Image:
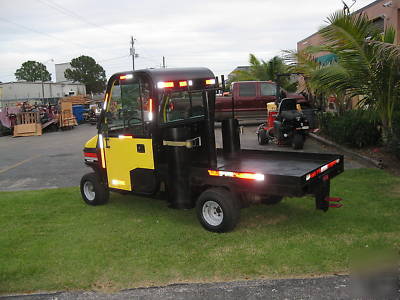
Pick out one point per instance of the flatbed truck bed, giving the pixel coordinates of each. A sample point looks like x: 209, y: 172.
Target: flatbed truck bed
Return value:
x: 283, y: 173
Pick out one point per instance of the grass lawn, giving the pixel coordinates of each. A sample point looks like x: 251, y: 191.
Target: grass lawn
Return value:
x: 51, y: 240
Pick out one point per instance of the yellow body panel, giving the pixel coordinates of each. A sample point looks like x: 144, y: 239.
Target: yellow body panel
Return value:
x: 92, y: 143
x: 122, y: 157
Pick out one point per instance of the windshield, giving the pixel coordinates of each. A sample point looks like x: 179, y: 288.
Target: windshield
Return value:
x: 182, y: 105
x: 125, y: 110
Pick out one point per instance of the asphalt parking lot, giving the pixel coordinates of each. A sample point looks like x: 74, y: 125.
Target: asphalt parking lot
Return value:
x: 55, y: 159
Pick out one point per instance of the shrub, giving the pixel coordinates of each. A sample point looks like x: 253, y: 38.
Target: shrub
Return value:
x: 394, y: 142
x: 355, y: 128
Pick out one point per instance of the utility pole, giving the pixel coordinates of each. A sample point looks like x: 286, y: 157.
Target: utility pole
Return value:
x: 163, y: 62
x: 133, y: 52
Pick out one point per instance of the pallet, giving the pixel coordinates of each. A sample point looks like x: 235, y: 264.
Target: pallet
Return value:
x: 27, y: 124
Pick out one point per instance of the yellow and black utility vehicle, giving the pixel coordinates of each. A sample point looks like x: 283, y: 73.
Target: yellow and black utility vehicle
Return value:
x: 156, y: 132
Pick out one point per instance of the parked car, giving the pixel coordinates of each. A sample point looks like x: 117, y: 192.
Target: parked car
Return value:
x: 249, y: 99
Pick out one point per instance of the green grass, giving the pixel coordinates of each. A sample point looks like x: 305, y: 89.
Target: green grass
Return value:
x: 51, y: 240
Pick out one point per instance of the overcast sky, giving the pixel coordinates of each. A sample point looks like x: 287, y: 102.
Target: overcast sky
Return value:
x: 218, y: 34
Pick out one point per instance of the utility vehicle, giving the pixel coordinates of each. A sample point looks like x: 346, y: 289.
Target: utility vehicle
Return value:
x: 156, y: 132
x: 285, y: 126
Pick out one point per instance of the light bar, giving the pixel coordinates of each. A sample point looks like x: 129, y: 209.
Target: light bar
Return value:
x: 190, y: 82
x: 124, y: 137
x: 150, y: 109
x: 183, y: 83
x: 117, y: 182
x: 125, y: 77
x: 210, y: 81
x: 240, y: 175
x: 322, y: 169
x: 165, y: 84
x: 101, y: 145
x: 105, y: 101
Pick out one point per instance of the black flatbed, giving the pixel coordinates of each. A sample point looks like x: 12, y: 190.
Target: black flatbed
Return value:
x: 286, y: 173
x: 281, y: 163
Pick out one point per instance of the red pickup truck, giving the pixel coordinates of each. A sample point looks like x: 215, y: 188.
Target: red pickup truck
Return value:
x: 249, y: 99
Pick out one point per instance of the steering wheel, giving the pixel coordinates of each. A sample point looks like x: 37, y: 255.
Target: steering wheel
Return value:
x: 133, y: 118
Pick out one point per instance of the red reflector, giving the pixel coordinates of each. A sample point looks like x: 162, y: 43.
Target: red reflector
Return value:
x: 90, y: 155
x: 183, y: 83
x: 322, y: 169
x: 241, y: 175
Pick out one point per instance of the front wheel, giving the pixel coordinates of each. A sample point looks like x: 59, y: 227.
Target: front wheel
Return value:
x: 218, y: 210
x: 93, y: 191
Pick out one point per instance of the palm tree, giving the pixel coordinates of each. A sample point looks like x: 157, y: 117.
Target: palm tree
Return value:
x: 367, y: 64
x: 303, y: 62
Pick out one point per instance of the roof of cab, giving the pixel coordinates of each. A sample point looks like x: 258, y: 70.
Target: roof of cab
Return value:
x: 174, y: 73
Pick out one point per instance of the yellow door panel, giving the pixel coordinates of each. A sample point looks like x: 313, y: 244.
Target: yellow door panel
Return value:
x: 122, y: 156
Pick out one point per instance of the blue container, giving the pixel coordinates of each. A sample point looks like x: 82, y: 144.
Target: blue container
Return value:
x: 78, y: 110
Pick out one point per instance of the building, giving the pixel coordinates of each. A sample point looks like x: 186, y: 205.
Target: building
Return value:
x: 19, y: 91
x: 60, y: 70
x: 382, y: 12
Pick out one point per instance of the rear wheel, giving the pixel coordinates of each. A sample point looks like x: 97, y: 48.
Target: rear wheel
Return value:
x: 218, y: 210
x: 262, y: 137
x: 297, y: 141
x: 93, y: 191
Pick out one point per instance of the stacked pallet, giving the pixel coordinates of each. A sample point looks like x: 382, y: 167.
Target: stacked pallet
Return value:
x: 76, y: 100
x: 66, y: 117
x: 28, y: 124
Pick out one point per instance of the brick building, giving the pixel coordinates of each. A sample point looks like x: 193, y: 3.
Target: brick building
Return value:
x: 382, y: 12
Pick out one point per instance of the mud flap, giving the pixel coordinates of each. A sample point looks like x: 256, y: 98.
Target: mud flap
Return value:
x: 321, y: 195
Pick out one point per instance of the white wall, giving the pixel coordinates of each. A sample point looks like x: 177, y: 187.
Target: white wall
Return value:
x: 60, y: 69
x: 29, y: 90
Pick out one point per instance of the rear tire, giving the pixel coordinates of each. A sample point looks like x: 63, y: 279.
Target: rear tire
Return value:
x: 262, y: 137
x: 218, y: 210
x: 297, y: 141
x: 93, y: 191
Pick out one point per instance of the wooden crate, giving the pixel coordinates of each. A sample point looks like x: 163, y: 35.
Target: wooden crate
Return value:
x: 67, y: 117
x: 28, y: 124
x: 28, y: 118
x: 28, y: 129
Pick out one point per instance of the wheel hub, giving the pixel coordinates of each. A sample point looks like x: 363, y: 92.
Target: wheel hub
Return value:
x: 212, y: 213
x: 88, y: 189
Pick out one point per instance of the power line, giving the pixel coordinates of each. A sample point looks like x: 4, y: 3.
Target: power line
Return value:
x: 42, y: 33
x: 114, y: 58
x: 71, y: 13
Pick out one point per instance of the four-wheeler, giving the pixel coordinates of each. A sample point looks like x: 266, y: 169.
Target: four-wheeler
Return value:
x: 156, y: 137
x: 287, y: 126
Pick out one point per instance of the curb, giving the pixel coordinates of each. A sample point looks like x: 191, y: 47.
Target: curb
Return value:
x: 365, y: 159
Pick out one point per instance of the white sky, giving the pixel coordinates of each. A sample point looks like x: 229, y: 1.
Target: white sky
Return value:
x: 218, y: 34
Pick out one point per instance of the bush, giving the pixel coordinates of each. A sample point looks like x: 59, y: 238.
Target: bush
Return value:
x: 394, y: 143
x: 355, y: 128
